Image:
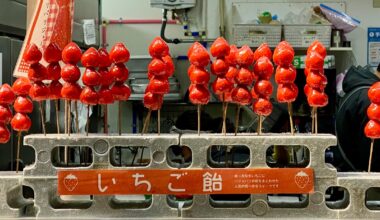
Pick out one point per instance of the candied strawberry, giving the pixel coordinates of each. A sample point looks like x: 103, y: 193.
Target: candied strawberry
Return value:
x: 198, y: 55
x: 231, y: 74
x: 314, y: 61
x: 373, y: 112
x: 231, y: 57
x: 222, y: 85
x: 286, y: 74
x: 5, y: 135
x: 199, y: 76
x: 52, y: 53
x: 227, y: 96
x: 169, y: 66
x: 55, y: 89
x: 307, y: 89
x: 21, y: 122
x: 120, y: 72
x: 90, y: 58
x: 374, y: 93
x: 91, y: 77
x: 287, y: 92
x: 372, y: 129
x: 318, y: 47
x: 158, y: 48
x: 105, y: 95
x: 244, y: 77
x: 5, y: 114
x: 283, y: 57
x: 39, y: 91
x: 70, y: 73
x: 219, y: 67
x: 263, y: 88
x: 254, y: 94
x: 89, y: 96
x: 53, y: 71
x: 32, y: 54
x: 244, y: 56
x: 37, y: 72
x: 262, y: 51
x: 157, y: 67
x: 316, y: 80
x: 262, y: 107
x: 104, y: 59
x: 220, y: 48
x: 199, y: 94
x: 71, y: 53
x: 284, y: 45
x: 71, y: 91
x: 158, y: 86
x: 21, y: 86
x: 23, y: 105
x: 106, y: 78
x: 317, y: 98
x: 120, y: 91
x: 7, y: 96
x: 263, y: 68
x: 152, y: 101
x: 119, y: 53
x: 241, y: 95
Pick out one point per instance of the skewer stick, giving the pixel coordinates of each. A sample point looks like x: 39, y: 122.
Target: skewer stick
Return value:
x: 57, y: 115
x: 224, y: 121
x: 76, y: 117
x: 119, y: 118
x: 259, y: 126
x: 105, y: 119
x: 18, y: 151
x: 312, y: 120
x: 199, y: 119
x: 88, y: 120
x: 224, y: 118
x: 159, y: 121
x: 146, y: 122
x: 370, y: 155
x: 42, y: 118
x: 66, y: 118
x: 69, y: 120
x: 237, y: 117
x: 316, y: 120
x: 290, y: 110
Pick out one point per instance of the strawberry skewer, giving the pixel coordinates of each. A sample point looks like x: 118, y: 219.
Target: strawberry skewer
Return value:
x: 199, y: 78
x: 22, y: 105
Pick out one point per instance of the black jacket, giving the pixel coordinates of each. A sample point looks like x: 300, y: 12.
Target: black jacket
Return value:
x: 352, y: 117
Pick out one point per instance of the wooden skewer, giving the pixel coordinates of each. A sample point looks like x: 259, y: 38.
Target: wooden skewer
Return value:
x: 146, y: 123
x: 237, y: 117
x: 88, y: 120
x: 18, y: 151
x: 76, y: 117
x: 199, y: 119
x: 69, y: 118
x: 312, y: 120
x: 290, y: 110
x: 42, y: 118
x: 159, y: 121
x: 65, y: 116
x: 259, y: 126
x: 225, y: 118
x: 105, y: 119
x: 66, y: 131
x: 57, y: 115
x: 316, y: 120
x: 370, y: 155
x: 119, y: 118
x: 224, y: 121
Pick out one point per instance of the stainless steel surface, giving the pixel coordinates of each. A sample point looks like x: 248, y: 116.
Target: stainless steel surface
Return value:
x: 41, y: 177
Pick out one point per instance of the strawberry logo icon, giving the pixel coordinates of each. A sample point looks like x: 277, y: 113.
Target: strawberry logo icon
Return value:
x: 70, y: 182
x: 301, y: 179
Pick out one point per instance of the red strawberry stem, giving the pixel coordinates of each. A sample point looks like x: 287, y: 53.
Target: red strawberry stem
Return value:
x: 57, y: 115
x: 199, y: 119
x: 370, y: 155
x: 146, y: 122
x: 18, y: 151
x: 42, y: 118
x: 88, y: 120
x: 76, y: 116
x: 237, y: 116
x: 159, y: 121
x: 105, y: 119
x: 290, y: 110
x: 119, y: 118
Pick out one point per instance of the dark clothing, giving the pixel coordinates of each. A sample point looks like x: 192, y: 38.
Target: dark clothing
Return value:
x: 352, y: 117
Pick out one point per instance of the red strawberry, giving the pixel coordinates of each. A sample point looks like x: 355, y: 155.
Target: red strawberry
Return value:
x: 120, y: 91
x: 106, y: 78
x: 374, y: 93
x: 231, y: 57
x: 53, y: 71
x: 241, y: 95
x: 5, y: 114
x: 284, y: 45
x: 21, y: 86
x: 120, y: 72
x: 158, y: 48
x: 39, y: 91
x: 231, y: 74
x: 21, y: 122
x: 55, y: 88
x: 158, y: 86
x: 37, y: 72
x: 262, y: 107
x: 90, y: 58
x: 287, y: 92
x: 199, y: 76
x: 23, y: 105
x: 244, y: 56
x: 307, y: 89
x: 119, y: 53
x: 198, y: 55
x: 71, y: 91
x: 254, y: 94
x: 71, y: 53
x: 372, y: 129
x: 157, y: 67
x: 169, y: 66
x: 318, y: 47
x: 105, y: 96
x: 91, y: 77
x: 220, y: 48
x: 314, y: 61
x: 245, y: 77
x: 7, y: 96
x: 104, y: 59
x: 317, y: 98
x: 283, y: 57
x: 285, y: 74
x: 316, y: 80
x: 199, y: 94
x: 152, y: 101
x: 263, y: 88
x: 5, y: 135
x: 89, y: 96
x: 219, y: 67
x: 222, y: 85
x: 32, y: 54
x: 262, y: 51
x: 70, y: 73
x: 373, y: 112
x: 263, y: 68
x: 52, y: 53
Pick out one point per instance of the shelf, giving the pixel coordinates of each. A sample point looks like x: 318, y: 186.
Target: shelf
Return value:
x: 340, y: 49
